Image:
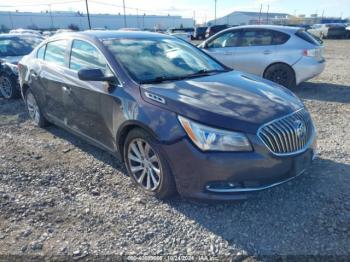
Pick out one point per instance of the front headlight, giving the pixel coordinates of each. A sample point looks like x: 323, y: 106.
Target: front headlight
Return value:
x: 212, y: 139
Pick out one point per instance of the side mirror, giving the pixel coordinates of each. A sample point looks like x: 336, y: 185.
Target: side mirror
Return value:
x: 203, y: 45
x: 94, y: 74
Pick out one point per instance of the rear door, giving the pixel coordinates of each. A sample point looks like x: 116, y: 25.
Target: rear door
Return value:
x: 223, y: 47
x: 255, y: 51
x: 51, y: 76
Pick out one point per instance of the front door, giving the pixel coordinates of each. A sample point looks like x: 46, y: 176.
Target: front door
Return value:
x: 92, y: 110
x: 223, y: 47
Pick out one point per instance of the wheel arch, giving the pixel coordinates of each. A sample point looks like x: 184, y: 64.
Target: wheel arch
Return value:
x: 24, y: 89
x: 277, y: 63
x: 125, y: 129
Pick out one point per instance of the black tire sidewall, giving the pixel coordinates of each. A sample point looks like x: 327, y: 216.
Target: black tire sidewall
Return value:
x: 42, y: 121
x: 167, y: 183
x: 291, y: 83
x: 14, y: 90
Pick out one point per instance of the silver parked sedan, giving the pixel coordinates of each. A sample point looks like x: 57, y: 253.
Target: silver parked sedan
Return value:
x: 285, y: 55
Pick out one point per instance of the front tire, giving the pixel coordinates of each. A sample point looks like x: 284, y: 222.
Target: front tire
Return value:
x: 281, y: 74
x: 147, y: 166
x: 34, y: 110
x: 8, y: 87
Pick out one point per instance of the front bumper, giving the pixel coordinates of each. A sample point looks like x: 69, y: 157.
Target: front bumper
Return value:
x: 231, y: 175
x: 307, y: 68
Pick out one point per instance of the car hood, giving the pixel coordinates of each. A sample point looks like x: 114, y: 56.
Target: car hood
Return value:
x: 233, y: 100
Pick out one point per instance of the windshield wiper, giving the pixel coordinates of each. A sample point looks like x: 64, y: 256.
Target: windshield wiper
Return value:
x: 205, y: 72
x: 161, y: 79
x: 202, y: 72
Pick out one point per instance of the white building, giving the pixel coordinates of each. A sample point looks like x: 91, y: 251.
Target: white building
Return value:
x: 248, y: 18
x: 47, y: 20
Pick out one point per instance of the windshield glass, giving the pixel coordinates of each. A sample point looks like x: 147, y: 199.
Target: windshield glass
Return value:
x: 17, y: 46
x: 147, y: 60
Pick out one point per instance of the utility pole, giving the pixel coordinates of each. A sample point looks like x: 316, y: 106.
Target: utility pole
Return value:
x: 87, y: 12
x: 51, y: 16
x: 260, y: 13
x: 267, y: 14
x: 11, y: 21
x: 137, y: 17
x: 124, y: 13
x: 215, y: 12
x: 194, y: 18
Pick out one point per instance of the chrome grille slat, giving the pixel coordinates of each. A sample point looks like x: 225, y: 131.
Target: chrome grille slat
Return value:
x: 288, y: 140
x: 290, y: 131
x: 289, y: 134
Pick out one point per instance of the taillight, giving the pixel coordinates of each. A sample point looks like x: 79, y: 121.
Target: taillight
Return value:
x: 310, y: 52
x: 318, y: 53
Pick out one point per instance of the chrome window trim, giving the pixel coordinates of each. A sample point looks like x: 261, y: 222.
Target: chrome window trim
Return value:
x: 120, y: 83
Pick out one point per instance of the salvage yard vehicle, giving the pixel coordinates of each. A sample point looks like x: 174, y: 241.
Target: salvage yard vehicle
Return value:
x: 12, y: 48
x: 285, y: 55
x: 330, y: 30
x: 180, y: 120
x: 199, y: 33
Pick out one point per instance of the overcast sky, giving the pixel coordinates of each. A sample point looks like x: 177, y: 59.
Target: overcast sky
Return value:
x: 203, y: 9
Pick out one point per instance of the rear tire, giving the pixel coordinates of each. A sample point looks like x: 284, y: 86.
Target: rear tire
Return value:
x: 8, y: 87
x: 281, y: 74
x: 147, y: 166
x: 34, y: 110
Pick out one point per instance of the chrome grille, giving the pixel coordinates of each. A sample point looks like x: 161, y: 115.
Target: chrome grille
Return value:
x: 289, y: 134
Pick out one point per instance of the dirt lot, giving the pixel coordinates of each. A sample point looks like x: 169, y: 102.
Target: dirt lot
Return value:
x: 60, y: 196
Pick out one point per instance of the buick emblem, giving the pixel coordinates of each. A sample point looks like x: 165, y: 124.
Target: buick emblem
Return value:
x: 300, y: 128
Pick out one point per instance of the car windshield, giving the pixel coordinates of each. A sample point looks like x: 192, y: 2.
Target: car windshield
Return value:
x: 161, y: 59
x: 17, y: 46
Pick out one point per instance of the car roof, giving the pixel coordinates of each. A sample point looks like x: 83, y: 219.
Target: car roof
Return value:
x: 20, y: 35
x: 287, y: 29
x: 113, y: 34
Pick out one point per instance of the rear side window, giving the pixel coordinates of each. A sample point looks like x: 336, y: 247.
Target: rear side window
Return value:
x: 85, y: 55
x: 41, y: 52
x: 256, y: 37
x: 308, y: 37
x: 55, y: 52
x: 279, y: 38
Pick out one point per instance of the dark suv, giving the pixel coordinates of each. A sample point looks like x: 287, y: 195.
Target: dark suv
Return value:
x: 212, y: 30
x: 199, y: 33
x: 179, y: 119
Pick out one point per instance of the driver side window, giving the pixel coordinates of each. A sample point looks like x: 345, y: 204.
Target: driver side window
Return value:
x: 84, y: 56
x: 228, y: 39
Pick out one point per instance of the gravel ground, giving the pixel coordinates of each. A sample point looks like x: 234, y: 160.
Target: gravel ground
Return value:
x: 61, y: 196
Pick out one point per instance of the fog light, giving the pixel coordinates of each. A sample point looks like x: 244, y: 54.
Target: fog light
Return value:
x: 220, y: 186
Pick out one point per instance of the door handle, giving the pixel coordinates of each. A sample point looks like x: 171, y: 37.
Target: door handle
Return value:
x: 66, y: 90
x: 267, y: 52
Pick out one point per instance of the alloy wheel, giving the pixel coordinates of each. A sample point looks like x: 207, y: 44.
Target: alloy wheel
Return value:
x: 5, y: 87
x: 279, y: 76
x: 144, y: 164
x: 33, y: 108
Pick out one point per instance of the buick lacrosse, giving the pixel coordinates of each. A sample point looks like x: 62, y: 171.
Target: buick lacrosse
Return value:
x: 180, y: 120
